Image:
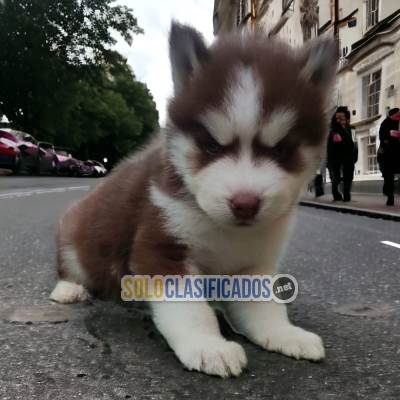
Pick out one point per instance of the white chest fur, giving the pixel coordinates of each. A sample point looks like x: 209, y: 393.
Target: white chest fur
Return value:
x: 217, y: 250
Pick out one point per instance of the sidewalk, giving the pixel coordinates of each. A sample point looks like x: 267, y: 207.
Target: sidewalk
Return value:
x: 371, y: 205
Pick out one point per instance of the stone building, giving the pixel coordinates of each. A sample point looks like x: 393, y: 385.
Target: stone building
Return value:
x: 369, y: 74
x: 277, y: 17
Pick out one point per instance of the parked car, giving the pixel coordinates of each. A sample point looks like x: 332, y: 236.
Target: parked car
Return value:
x: 36, y: 157
x: 65, y: 163
x: 98, y: 168
x: 85, y: 169
x: 10, y: 155
x: 47, y: 160
x: 28, y: 146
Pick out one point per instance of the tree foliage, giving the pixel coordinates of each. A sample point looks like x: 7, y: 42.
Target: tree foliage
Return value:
x: 115, y: 112
x: 60, y: 81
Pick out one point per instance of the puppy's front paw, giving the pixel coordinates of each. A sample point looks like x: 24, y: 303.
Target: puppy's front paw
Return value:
x: 212, y: 355
x: 69, y: 292
x: 295, y: 342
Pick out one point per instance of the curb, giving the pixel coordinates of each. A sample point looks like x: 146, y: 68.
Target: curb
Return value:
x: 352, y: 210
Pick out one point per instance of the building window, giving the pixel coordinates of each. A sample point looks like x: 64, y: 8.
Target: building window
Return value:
x: 371, y: 87
x: 371, y: 154
x: 285, y: 3
x: 372, y: 12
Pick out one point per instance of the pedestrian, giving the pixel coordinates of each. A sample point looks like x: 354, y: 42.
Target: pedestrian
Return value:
x: 342, y: 154
x: 389, y: 152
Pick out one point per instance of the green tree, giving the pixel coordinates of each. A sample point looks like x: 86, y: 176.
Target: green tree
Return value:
x: 60, y: 81
x: 114, y: 113
x: 136, y: 95
x: 45, y: 46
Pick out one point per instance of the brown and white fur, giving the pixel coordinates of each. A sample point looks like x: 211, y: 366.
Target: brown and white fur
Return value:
x: 215, y: 193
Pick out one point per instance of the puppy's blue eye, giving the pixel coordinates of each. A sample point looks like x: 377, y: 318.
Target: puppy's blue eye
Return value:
x: 213, y: 147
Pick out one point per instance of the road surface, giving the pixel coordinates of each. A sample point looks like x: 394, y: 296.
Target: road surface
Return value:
x: 349, y: 294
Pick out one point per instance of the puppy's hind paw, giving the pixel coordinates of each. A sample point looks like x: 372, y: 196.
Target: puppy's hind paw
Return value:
x: 212, y: 355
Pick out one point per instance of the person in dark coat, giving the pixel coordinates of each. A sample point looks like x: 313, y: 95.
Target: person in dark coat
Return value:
x: 389, y: 152
x: 341, y: 154
x: 351, y: 128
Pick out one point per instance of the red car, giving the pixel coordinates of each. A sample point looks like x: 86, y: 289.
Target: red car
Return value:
x: 10, y: 156
x: 34, y: 156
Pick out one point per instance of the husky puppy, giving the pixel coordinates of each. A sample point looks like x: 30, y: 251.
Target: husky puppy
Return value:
x: 214, y: 194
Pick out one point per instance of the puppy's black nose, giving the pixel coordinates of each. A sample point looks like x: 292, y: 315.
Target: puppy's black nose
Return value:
x: 245, y: 205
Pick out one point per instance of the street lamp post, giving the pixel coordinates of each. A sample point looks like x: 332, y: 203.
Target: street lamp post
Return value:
x: 335, y: 24
x: 336, y: 29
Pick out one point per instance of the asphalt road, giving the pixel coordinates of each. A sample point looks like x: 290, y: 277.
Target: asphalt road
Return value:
x: 349, y: 294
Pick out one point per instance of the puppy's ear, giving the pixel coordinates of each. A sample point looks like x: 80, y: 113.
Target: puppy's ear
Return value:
x: 187, y: 50
x: 319, y: 58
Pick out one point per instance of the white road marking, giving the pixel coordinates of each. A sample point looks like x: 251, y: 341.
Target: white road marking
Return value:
x: 24, y: 193
x: 391, y: 244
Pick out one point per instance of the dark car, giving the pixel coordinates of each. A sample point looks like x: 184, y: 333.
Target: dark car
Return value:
x: 85, y: 168
x: 29, y: 148
x: 65, y: 163
x: 47, y: 159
